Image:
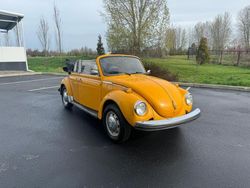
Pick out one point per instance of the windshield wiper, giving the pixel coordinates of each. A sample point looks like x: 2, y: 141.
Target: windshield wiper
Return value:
x: 114, y: 73
x: 137, y: 73
x: 126, y: 73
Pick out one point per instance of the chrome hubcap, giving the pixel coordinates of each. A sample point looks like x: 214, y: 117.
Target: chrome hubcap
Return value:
x: 65, y: 97
x: 113, y: 124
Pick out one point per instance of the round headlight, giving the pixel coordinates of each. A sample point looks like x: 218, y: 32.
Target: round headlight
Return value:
x: 189, y: 99
x: 140, y: 108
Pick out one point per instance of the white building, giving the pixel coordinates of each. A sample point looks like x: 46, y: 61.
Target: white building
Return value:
x: 12, y: 57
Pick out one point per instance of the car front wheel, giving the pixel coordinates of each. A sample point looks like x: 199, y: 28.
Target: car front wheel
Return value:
x: 115, y: 124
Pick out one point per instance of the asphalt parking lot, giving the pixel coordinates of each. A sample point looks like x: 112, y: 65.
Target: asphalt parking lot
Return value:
x: 43, y: 145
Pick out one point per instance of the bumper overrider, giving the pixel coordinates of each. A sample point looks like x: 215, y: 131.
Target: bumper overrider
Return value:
x: 168, y: 123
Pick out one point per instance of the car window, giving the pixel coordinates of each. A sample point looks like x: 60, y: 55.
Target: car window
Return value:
x: 88, y: 67
x: 121, y: 65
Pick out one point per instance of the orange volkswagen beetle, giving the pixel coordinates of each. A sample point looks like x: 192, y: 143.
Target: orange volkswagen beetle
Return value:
x: 117, y: 90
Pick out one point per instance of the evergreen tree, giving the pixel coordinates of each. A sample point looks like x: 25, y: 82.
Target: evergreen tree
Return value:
x: 202, y: 53
x: 100, y: 48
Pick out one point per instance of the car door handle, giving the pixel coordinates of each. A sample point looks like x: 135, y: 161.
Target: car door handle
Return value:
x: 81, y: 80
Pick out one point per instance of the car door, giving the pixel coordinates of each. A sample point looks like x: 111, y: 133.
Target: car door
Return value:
x: 74, y: 82
x: 89, y: 85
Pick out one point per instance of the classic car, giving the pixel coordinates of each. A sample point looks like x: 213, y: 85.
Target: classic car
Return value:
x: 119, y: 91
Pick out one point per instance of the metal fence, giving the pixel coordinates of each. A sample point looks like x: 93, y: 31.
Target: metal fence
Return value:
x: 229, y: 57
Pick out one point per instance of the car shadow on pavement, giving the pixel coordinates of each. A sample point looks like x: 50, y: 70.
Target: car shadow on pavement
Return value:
x: 165, y: 146
x: 168, y: 144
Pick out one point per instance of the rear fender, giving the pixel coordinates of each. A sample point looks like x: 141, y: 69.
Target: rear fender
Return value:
x: 66, y: 83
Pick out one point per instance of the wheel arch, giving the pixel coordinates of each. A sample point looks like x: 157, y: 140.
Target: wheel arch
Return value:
x: 108, y: 102
x: 125, y: 102
x: 66, y: 83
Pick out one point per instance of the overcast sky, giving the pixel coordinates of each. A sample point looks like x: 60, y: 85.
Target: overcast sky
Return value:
x: 82, y: 21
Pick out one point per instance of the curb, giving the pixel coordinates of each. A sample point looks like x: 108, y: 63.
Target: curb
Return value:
x: 18, y: 74
x: 213, y: 86
x: 54, y: 74
x: 31, y: 73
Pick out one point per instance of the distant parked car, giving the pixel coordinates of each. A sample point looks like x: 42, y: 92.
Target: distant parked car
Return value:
x: 117, y: 90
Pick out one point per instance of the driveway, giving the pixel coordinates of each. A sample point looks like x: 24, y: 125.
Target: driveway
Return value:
x: 43, y: 145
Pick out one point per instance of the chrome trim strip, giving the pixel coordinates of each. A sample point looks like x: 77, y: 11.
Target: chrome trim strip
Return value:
x: 85, y: 109
x: 107, y: 82
x: 168, y: 123
x: 114, y: 84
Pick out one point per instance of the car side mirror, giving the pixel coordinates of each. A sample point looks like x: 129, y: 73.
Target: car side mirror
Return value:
x: 148, y: 71
x: 94, y: 72
x: 66, y: 69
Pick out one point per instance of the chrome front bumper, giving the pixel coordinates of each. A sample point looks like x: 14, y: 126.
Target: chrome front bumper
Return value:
x: 168, y: 123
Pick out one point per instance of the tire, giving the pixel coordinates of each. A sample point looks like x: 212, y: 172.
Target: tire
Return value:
x: 113, y: 118
x: 65, y: 101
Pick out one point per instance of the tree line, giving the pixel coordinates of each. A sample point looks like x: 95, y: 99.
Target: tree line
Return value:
x: 143, y: 27
x: 84, y: 51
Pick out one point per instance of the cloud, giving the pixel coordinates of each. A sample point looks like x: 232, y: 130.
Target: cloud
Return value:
x: 193, y: 11
x: 82, y: 21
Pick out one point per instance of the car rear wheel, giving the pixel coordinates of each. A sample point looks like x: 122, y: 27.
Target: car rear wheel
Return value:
x: 115, y: 124
x: 65, y: 99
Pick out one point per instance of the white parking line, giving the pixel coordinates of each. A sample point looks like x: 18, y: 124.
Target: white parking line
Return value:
x: 44, y: 88
x: 27, y: 81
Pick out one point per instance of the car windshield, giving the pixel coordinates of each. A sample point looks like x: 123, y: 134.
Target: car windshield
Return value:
x: 121, y: 65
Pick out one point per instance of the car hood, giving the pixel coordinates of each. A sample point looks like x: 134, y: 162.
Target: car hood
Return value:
x: 164, y: 97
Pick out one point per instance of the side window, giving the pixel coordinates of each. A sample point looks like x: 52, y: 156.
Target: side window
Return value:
x: 89, y: 68
x: 83, y: 66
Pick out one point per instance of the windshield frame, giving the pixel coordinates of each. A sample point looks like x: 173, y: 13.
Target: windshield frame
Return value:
x: 119, y: 74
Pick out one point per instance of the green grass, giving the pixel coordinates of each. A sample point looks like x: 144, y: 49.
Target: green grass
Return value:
x: 50, y: 64
x: 182, y: 69
x: 189, y: 71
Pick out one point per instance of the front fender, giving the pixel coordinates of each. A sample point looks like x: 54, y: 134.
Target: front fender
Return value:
x: 126, y: 101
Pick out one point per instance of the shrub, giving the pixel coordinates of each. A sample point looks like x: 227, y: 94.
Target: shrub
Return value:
x: 100, y: 49
x: 202, y: 53
x: 159, y: 72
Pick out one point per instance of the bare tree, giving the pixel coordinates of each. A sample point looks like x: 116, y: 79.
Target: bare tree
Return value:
x: 171, y: 39
x: 43, y: 35
x: 58, y: 27
x: 181, y: 39
x: 176, y: 39
x: 202, y: 30
x: 244, y: 26
x: 199, y: 32
x: 136, y: 24
x: 190, y: 36
x: 221, y: 31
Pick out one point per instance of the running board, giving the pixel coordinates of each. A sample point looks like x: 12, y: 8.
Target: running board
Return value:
x: 85, y: 109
